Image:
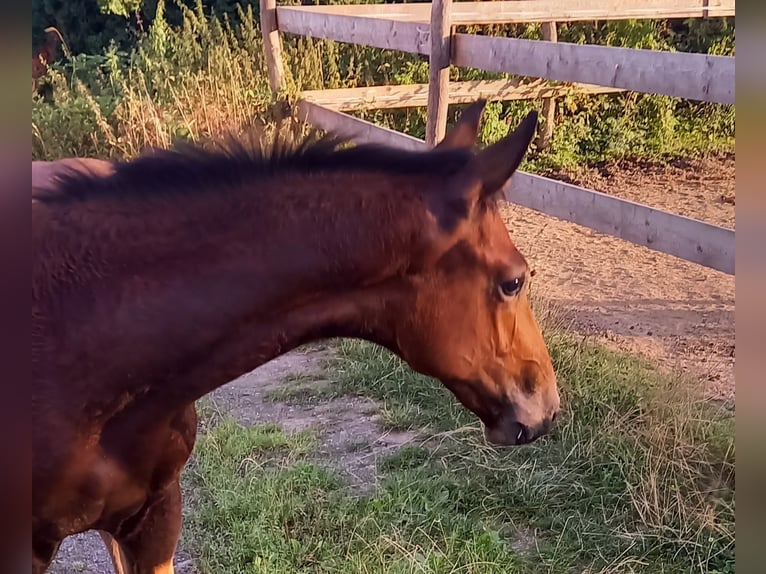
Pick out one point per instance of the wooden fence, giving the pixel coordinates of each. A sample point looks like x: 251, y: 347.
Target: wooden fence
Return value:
x: 429, y: 29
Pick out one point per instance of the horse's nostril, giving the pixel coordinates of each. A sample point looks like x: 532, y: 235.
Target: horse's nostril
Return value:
x: 554, y: 415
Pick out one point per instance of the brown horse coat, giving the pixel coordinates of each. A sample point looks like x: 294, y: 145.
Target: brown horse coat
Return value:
x: 158, y: 280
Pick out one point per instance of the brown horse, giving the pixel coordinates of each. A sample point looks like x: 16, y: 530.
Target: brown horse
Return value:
x: 181, y: 270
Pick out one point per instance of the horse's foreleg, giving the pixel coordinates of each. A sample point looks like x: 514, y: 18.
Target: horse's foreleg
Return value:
x: 43, y: 553
x: 39, y: 565
x: 151, y: 544
x: 119, y: 560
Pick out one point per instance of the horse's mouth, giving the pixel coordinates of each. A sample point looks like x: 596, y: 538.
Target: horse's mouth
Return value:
x: 498, y: 419
x: 508, y: 434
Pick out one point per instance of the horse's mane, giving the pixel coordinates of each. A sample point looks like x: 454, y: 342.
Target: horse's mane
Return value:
x: 229, y: 162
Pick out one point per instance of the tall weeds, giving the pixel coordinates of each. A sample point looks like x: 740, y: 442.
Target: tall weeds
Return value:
x: 208, y: 75
x: 197, y: 81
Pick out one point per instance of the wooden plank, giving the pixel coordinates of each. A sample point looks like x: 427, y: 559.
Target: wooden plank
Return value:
x: 548, y: 114
x: 438, y: 72
x: 682, y: 237
x: 692, y: 76
x: 416, y: 95
x: 517, y: 11
x: 272, y: 45
x: 354, y: 128
x: 410, y: 37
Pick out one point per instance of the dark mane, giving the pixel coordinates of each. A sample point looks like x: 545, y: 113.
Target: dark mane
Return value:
x: 228, y: 163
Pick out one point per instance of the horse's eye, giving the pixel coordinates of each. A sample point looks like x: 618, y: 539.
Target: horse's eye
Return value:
x: 511, y: 287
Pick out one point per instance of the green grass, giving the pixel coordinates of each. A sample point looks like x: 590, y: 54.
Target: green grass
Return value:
x: 637, y: 477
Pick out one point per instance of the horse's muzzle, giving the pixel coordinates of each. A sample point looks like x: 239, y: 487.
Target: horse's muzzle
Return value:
x: 510, y: 433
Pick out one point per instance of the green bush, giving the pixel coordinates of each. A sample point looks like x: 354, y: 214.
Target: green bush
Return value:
x: 192, y: 75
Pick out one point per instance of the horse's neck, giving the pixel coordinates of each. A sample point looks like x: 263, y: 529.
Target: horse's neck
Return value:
x: 237, y: 283
x: 366, y: 314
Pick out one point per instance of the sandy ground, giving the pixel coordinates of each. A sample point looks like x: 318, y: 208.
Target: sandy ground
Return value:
x: 626, y: 296
x: 630, y: 297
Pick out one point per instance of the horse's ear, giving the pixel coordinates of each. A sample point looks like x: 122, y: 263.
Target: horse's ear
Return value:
x: 466, y: 130
x: 495, y: 164
x: 485, y: 173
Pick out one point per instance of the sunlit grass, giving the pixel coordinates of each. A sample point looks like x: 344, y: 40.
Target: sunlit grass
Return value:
x: 638, y: 476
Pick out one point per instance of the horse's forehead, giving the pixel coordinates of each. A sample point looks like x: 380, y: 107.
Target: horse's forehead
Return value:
x: 482, y: 242
x: 488, y: 234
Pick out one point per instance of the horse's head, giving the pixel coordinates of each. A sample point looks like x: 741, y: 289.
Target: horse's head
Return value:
x: 470, y: 323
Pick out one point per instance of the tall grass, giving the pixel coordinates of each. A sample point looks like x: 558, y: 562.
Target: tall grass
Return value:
x: 208, y: 75
x: 190, y: 83
x: 638, y: 476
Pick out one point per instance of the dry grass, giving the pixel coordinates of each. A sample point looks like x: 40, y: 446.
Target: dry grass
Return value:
x: 637, y: 477
x: 190, y: 84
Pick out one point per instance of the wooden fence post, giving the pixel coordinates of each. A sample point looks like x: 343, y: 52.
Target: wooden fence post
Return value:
x: 272, y: 45
x: 550, y: 33
x: 438, y: 71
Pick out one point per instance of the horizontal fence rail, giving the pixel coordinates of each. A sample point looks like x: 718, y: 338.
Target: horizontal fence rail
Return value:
x: 354, y: 128
x: 691, y: 76
x: 682, y: 237
x: 509, y: 12
x: 416, y: 95
x: 409, y: 37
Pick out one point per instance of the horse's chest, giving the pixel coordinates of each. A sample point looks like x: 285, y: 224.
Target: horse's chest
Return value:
x: 107, y: 480
x: 90, y: 489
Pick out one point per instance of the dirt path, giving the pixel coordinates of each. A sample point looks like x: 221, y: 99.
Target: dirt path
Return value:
x: 630, y: 297
x: 349, y: 433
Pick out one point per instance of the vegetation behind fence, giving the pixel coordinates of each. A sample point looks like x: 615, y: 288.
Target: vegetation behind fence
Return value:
x: 190, y: 75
